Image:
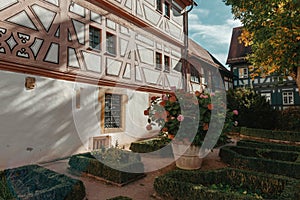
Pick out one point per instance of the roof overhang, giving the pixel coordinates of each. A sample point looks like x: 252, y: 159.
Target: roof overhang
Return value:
x: 185, y: 3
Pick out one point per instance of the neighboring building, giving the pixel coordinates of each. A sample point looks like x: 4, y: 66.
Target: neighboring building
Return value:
x: 280, y: 92
x: 206, y: 71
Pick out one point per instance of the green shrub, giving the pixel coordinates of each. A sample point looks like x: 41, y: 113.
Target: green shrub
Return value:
x: 35, y: 182
x: 254, y: 110
x: 239, y: 184
x: 152, y: 145
x: 259, y: 160
x: 277, y: 135
x: 289, y: 119
x: 120, y: 198
x: 112, y: 165
x: 268, y: 145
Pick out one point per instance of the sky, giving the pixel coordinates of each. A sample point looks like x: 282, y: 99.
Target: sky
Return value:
x: 210, y: 25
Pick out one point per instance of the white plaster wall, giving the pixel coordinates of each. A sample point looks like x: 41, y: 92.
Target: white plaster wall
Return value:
x: 44, y: 124
x: 36, y: 125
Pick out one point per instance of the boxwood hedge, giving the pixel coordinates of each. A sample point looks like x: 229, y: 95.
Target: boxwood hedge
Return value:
x: 154, y: 145
x: 262, y: 160
x: 268, y: 145
x: 276, y: 135
x: 242, y: 185
x: 112, y: 169
x: 33, y: 182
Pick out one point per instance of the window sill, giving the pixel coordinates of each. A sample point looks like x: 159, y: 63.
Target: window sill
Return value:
x: 93, y: 49
x: 159, y: 11
x: 110, y: 54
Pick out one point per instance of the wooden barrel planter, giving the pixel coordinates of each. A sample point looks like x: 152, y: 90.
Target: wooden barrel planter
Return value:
x: 187, y: 157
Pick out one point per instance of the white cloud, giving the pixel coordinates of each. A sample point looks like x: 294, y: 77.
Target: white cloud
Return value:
x: 214, y: 33
x: 193, y: 17
x: 213, y: 37
x: 201, y: 12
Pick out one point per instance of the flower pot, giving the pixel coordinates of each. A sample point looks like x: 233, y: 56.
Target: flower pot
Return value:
x: 187, y: 157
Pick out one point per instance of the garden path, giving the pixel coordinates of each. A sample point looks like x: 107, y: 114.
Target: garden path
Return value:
x: 140, y: 189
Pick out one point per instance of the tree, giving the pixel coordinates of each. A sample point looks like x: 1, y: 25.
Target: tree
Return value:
x: 272, y: 29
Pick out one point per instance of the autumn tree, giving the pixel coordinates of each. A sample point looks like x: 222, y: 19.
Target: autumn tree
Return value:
x: 272, y: 29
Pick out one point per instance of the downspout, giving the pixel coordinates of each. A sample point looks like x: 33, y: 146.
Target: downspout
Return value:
x: 185, y: 65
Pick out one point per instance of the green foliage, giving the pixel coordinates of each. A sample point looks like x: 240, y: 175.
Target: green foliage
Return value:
x: 188, y: 113
x: 152, y: 145
x: 262, y: 160
x: 120, y: 198
x: 111, y: 164
x: 254, y: 110
x: 268, y: 145
x: 289, y: 119
x: 35, y: 182
x: 272, y: 28
x: 225, y: 184
x: 169, y: 110
x: 277, y: 135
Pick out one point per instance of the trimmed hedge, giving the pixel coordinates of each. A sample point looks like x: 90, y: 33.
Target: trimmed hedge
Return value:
x: 195, y: 185
x: 276, y: 135
x: 34, y: 182
x: 154, y: 145
x: 268, y: 145
x: 115, y: 171
x: 262, y: 160
x: 120, y: 198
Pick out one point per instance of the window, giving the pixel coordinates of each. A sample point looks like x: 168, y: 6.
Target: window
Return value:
x: 267, y: 96
x: 158, y: 58
x: 159, y: 5
x: 167, y: 63
x: 111, y: 43
x: 167, y: 9
x: 113, y: 111
x: 288, y: 98
x: 243, y: 73
x: 195, y: 75
x: 94, y: 38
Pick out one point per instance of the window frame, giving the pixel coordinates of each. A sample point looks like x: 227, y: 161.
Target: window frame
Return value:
x: 92, y: 37
x: 167, y: 63
x: 124, y: 101
x: 268, y: 96
x: 111, y: 44
x: 167, y: 9
x: 243, y: 72
x: 158, y: 63
x: 159, y: 6
x: 194, y: 72
x: 286, y: 95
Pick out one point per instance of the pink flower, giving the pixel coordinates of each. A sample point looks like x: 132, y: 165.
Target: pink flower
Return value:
x: 212, y: 94
x: 149, y: 127
x: 180, y: 118
x: 165, y: 98
x: 235, y: 112
x: 203, y: 96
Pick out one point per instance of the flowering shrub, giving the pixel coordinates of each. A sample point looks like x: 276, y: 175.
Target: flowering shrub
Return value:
x: 172, y: 109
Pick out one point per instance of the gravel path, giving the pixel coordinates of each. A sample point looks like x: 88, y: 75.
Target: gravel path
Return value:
x: 139, y: 190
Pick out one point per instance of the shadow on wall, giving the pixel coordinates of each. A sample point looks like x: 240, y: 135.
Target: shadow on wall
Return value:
x: 36, y: 125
